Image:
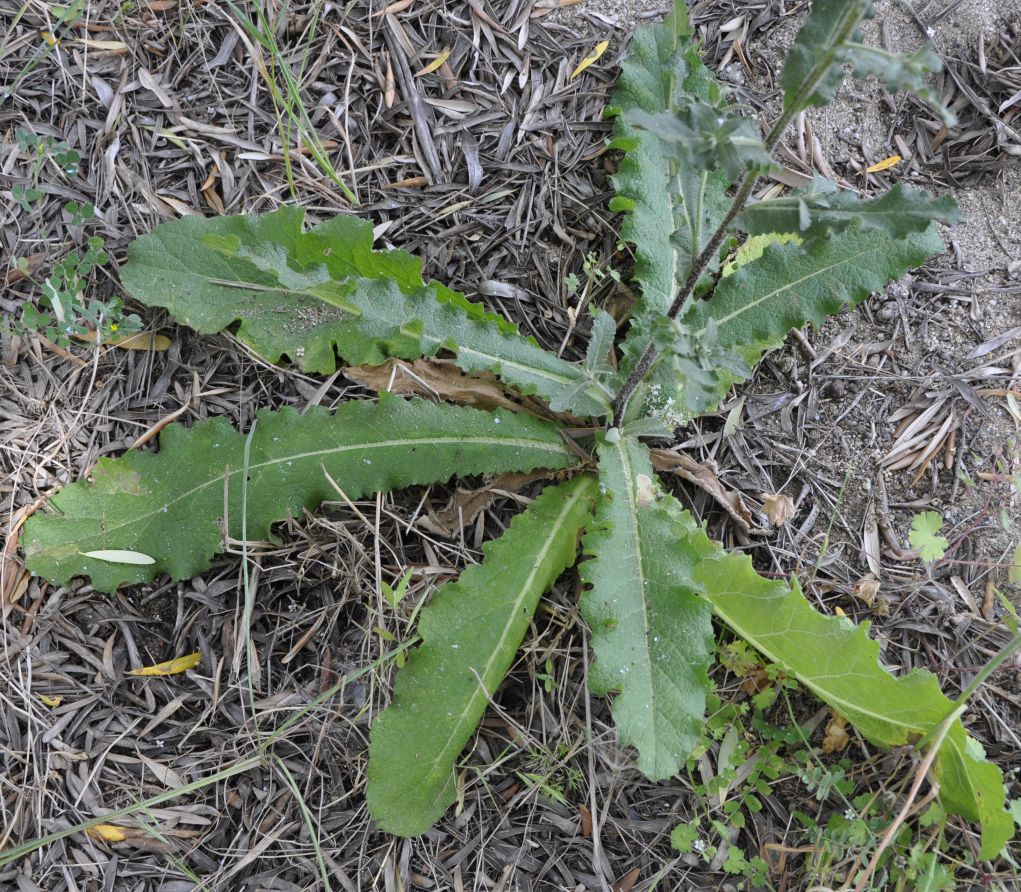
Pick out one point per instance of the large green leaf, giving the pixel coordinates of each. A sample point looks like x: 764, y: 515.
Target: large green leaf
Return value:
x: 651, y: 632
x: 309, y: 295
x: 823, y: 211
x: 170, y: 505
x: 754, y: 307
x: 470, y: 632
x: 839, y: 662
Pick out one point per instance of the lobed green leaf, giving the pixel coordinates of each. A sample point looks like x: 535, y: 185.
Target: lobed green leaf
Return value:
x: 312, y: 295
x: 791, y: 284
x: 822, y: 211
x: 839, y: 662
x: 651, y: 632
x: 470, y: 631
x: 175, y: 505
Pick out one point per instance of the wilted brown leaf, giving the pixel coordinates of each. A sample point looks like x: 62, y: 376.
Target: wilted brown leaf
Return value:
x: 467, y: 504
x: 436, y: 378
x: 866, y: 589
x: 777, y: 507
x: 695, y: 472
x: 836, y: 739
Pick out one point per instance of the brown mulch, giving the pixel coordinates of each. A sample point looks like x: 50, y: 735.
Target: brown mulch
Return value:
x: 494, y: 170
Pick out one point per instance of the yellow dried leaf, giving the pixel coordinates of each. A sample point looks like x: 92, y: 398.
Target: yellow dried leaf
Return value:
x: 885, y: 164
x: 108, y: 833
x: 170, y: 667
x: 436, y: 63
x: 51, y: 702
x: 591, y: 58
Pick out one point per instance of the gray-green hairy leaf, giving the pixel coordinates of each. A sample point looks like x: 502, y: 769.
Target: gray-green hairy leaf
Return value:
x: 470, y: 632
x: 651, y: 632
x: 311, y: 295
x: 170, y: 505
x: 813, y: 70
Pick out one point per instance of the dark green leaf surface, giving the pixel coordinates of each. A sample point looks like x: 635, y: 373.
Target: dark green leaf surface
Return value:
x: 651, y: 632
x: 170, y: 505
x: 311, y: 295
x: 470, y: 631
x: 840, y: 664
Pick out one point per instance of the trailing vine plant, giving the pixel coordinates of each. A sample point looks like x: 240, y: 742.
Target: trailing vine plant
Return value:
x: 723, y: 279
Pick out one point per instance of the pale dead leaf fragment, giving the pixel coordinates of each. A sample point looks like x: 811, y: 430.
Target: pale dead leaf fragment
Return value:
x: 436, y: 64
x: 170, y: 667
x: 836, y: 739
x: 119, y: 556
x: 866, y: 589
x: 143, y: 340
x: 777, y: 507
x: 646, y: 491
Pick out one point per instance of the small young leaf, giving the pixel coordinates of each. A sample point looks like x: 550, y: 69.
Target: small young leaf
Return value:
x: 813, y: 71
x: 701, y: 136
x: 923, y: 536
x: 902, y: 71
x: 651, y: 632
x: 470, y: 632
x: 171, y: 503
x: 604, y: 330
x: 840, y: 664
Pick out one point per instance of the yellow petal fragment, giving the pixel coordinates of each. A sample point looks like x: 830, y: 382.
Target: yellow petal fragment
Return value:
x: 591, y: 58
x: 436, y: 63
x: 108, y: 833
x: 170, y: 667
x: 885, y: 164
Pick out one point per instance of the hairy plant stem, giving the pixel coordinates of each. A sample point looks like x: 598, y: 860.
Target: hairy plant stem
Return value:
x: 852, y: 16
